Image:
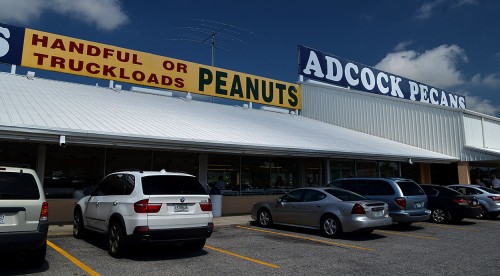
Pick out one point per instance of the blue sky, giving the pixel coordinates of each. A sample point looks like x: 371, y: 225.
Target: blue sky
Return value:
x: 450, y: 44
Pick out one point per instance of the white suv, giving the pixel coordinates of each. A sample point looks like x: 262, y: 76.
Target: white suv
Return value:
x: 146, y: 207
x: 23, y: 214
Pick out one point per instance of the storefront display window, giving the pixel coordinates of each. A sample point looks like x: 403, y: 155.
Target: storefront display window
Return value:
x: 71, y: 170
x: 175, y: 162
x: 313, y: 172
x: 226, y: 169
x: 256, y: 176
x: 18, y: 154
x: 388, y: 169
x: 366, y: 169
x: 341, y: 169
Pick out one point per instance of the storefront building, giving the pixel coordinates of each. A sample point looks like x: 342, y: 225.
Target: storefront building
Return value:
x: 74, y: 134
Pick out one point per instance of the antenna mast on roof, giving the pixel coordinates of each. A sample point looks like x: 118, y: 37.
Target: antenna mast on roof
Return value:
x: 217, y: 32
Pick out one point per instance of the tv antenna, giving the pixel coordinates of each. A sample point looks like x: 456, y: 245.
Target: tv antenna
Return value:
x: 213, y: 33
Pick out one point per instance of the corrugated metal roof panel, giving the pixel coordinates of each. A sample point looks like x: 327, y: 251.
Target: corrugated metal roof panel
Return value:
x: 425, y: 126
x: 40, y: 106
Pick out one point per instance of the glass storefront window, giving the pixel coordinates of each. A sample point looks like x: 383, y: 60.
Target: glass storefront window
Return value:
x: 176, y: 162
x: 127, y: 159
x: 70, y: 170
x: 224, y: 168
x: 388, y: 169
x: 341, y: 169
x: 16, y: 154
x: 483, y: 172
x: 313, y: 172
x: 366, y: 169
x: 257, y: 175
x: 283, y: 175
x: 410, y: 171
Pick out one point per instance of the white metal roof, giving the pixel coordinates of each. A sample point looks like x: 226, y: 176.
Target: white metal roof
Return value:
x: 41, y: 110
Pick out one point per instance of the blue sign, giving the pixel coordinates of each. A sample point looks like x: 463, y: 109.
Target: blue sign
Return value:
x: 331, y: 69
x: 11, y: 44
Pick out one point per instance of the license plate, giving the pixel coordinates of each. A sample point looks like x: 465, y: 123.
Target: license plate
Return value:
x: 378, y: 213
x: 2, y: 218
x: 180, y: 208
x: 418, y: 204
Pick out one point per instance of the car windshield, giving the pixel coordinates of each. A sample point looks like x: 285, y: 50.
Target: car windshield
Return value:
x: 15, y: 185
x: 171, y: 185
x: 410, y: 188
x: 345, y: 195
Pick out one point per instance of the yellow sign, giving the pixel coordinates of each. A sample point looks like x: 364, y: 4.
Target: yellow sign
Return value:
x: 75, y: 56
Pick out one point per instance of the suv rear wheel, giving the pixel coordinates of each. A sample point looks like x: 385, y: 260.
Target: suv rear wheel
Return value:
x: 37, y: 257
x: 196, y: 245
x: 116, y: 240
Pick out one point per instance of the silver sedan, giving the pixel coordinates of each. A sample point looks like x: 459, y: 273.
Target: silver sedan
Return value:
x: 332, y: 210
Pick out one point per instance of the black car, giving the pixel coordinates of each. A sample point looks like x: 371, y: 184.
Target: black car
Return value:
x: 449, y: 205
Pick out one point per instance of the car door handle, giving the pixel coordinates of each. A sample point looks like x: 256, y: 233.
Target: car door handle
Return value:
x: 319, y: 206
x: 115, y: 203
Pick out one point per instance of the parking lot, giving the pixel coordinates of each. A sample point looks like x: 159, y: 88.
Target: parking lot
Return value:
x: 469, y: 247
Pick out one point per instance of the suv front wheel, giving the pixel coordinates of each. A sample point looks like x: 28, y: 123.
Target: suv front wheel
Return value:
x: 116, y: 240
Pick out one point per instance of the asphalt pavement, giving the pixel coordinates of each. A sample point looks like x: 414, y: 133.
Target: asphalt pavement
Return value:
x: 61, y: 230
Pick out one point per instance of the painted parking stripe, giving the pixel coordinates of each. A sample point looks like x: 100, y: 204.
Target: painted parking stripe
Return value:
x: 479, y: 221
x: 241, y: 257
x: 405, y: 235
x: 309, y: 239
x: 450, y: 227
x: 73, y: 259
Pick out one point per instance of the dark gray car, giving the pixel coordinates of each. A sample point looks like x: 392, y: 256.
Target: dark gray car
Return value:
x: 407, y: 201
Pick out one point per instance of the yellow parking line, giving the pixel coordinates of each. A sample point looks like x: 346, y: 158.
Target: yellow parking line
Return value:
x: 450, y: 227
x: 309, y: 239
x: 242, y: 257
x: 406, y: 235
x: 73, y: 259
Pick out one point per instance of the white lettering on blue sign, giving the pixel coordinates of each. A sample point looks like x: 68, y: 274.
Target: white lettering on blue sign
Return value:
x: 4, y: 44
x: 331, y: 69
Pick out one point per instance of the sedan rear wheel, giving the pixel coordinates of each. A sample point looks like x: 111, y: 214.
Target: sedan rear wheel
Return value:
x: 439, y: 215
x: 483, y: 214
x: 264, y: 218
x: 331, y: 227
x: 78, y: 226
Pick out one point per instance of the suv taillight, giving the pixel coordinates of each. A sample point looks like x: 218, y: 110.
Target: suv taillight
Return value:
x: 206, y: 206
x: 401, y: 202
x: 143, y: 206
x: 44, y: 213
x: 358, y: 210
x: 461, y: 201
x: 495, y: 198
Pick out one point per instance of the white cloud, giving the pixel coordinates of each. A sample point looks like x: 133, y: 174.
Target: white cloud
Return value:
x: 479, y: 105
x: 105, y: 14
x: 467, y: 2
x: 490, y: 80
x: 428, y: 8
x: 403, y: 45
x: 21, y: 11
x: 425, y: 11
x: 437, y: 67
